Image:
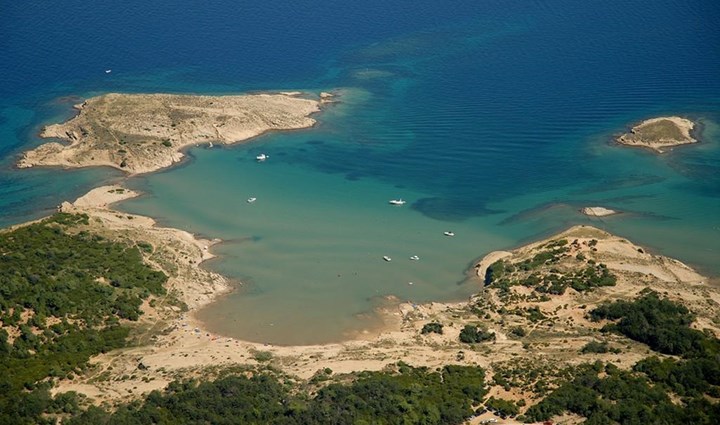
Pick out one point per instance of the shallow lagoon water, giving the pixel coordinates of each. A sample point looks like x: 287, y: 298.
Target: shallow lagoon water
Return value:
x: 309, y: 250
x: 492, y: 119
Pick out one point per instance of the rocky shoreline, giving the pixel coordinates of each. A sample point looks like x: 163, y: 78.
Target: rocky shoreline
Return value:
x: 660, y: 134
x: 142, y: 133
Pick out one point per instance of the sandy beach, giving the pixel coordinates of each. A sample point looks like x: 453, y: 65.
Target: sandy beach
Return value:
x: 141, y: 133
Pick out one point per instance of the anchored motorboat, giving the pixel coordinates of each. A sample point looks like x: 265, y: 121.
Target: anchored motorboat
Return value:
x: 397, y: 202
x: 262, y: 157
x: 107, y: 71
x: 414, y: 258
x: 449, y: 233
x: 386, y: 258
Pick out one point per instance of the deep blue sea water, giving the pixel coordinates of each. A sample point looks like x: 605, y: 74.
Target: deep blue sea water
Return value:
x: 492, y: 118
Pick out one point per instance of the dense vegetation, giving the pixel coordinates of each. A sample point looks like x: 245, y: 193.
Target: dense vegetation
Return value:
x: 407, y: 396
x: 504, y: 274
x: 665, y: 327
x: 642, y: 395
x: 50, y: 272
x: 63, y: 296
x: 662, y: 324
x: 621, y: 397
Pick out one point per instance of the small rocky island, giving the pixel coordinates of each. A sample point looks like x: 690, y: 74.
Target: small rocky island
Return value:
x: 140, y: 133
x: 660, y: 133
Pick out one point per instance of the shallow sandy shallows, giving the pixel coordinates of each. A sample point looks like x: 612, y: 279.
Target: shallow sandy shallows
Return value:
x: 597, y: 211
x: 141, y: 133
x: 171, y: 344
x: 660, y: 134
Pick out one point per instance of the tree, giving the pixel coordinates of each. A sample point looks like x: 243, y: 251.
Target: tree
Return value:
x: 471, y: 334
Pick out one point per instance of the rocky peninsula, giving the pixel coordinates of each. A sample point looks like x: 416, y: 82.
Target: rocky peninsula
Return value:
x: 660, y: 134
x: 141, y: 133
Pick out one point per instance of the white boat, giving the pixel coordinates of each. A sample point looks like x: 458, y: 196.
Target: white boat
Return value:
x: 386, y: 258
x: 414, y: 258
x: 107, y: 71
x: 397, y: 202
x: 262, y: 157
x: 449, y: 233
x: 251, y: 200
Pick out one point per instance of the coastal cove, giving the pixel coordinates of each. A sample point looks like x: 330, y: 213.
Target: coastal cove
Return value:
x: 523, y: 327
x: 503, y: 161
x: 352, y: 226
x: 378, y: 212
x: 253, y: 240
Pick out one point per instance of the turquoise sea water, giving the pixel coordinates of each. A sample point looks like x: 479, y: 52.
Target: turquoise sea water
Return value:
x: 492, y: 119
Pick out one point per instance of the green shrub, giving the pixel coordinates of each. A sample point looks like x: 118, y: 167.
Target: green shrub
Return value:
x: 432, y: 327
x: 595, y: 347
x: 145, y: 247
x: 471, y: 334
x: 503, y: 408
x: 262, y: 356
